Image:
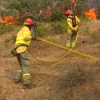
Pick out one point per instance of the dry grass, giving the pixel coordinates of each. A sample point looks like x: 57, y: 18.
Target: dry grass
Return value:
x: 72, y: 78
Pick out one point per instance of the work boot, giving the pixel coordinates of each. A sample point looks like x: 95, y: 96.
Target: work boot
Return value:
x: 17, y: 77
x: 28, y: 86
x: 73, y: 45
x: 16, y: 81
x: 67, y: 45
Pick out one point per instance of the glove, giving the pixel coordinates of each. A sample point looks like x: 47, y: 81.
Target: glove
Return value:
x: 75, y: 28
x: 72, y: 28
x: 33, y: 38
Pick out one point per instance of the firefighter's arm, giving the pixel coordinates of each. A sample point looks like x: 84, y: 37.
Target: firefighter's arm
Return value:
x: 27, y: 36
x: 69, y: 24
x: 77, y: 19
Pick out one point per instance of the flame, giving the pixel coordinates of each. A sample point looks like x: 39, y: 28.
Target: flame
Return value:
x: 91, y: 14
x: 73, y: 1
x: 8, y: 20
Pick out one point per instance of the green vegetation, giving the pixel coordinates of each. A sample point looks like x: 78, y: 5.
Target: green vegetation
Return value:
x: 96, y: 35
x: 51, y: 21
x: 26, y: 7
x: 6, y: 28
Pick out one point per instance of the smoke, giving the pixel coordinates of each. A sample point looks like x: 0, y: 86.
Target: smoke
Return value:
x: 93, y: 3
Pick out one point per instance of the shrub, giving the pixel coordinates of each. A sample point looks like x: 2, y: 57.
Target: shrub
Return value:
x: 59, y: 26
x: 42, y: 29
x: 96, y: 35
x: 86, y: 30
x: 78, y: 76
x: 56, y: 27
x: 5, y: 28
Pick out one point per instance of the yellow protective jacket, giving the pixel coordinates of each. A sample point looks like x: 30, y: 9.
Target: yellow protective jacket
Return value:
x: 23, y: 37
x: 70, y: 24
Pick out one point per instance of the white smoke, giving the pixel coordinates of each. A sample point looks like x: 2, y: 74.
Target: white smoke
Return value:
x: 93, y: 3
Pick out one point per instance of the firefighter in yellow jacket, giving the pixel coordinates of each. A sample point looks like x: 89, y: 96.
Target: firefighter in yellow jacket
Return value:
x: 23, y: 40
x: 73, y: 22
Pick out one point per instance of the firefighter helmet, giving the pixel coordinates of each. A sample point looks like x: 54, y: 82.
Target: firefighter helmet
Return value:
x: 28, y: 21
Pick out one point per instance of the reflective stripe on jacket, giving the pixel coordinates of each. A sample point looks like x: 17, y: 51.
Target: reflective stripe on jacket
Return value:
x: 23, y: 37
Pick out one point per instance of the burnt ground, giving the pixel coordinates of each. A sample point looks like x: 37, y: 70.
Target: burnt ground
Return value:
x: 72, y: 78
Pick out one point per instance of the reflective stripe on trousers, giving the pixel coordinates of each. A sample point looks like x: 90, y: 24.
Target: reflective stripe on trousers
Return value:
x: 73, y: 45
x: 27, y: 74
x: 67, y: 44
x: 20, y: 71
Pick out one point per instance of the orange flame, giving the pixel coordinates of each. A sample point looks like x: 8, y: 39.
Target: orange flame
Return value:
x: 73, y: 1
x: 91, y: 14
x: 8, y: 20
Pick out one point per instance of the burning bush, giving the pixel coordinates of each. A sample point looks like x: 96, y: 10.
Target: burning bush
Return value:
x: 8, y: 20
x: 91, y: 14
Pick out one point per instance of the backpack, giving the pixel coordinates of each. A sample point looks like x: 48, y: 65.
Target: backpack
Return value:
x: 73, y: 21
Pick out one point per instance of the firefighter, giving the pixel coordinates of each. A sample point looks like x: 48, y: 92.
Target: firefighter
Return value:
x: 73, y: 22
x: 23, y: 40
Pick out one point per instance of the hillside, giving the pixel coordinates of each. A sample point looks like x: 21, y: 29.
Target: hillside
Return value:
x: 72, y: 78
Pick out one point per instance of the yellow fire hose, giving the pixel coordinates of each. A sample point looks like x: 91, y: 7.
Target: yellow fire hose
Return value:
x: 70, y: 50
x: 53, y: 59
